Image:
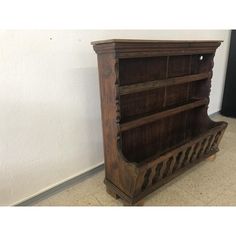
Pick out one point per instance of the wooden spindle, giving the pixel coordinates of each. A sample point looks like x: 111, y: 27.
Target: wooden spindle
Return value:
x: 195, y: 152
x: 157, y: 172
x: 173, y: 162
x: 181, y: 160
x: 146, y: 179
x: 163, y: 169
x: 203, y: 147
x: 210, y: 142
x: 188, y: 155
x: 168, y: 164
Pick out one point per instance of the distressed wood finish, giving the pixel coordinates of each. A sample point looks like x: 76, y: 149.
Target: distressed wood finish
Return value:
x: 154, y: 100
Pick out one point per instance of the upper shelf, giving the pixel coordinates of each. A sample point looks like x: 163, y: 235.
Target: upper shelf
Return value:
x: 139, y: 87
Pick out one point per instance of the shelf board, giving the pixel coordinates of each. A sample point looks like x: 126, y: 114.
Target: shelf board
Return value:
x: 159, y: 115
x: 139, y: 87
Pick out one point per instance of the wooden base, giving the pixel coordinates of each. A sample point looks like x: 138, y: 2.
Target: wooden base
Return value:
x: 140, y: 203
x: 147, y: 144
x: 127, y: 201
x: 114, y: 194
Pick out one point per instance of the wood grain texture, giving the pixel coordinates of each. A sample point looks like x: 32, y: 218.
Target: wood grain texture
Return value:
x: 147, y: 86
x: 154, y: 100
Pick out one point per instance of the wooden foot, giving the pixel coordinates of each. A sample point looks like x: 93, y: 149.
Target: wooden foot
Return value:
x: 211, y: 158
x: 112, y: 193
x: 139, y: 203
x: 125, y: 203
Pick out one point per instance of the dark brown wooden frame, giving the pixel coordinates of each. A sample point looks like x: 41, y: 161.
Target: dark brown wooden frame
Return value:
x: 154, y: 100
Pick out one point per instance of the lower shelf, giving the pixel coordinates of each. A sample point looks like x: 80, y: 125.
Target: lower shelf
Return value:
x: 139, y: 179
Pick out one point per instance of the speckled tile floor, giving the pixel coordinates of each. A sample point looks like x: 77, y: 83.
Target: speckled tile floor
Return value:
x: 210, y: 183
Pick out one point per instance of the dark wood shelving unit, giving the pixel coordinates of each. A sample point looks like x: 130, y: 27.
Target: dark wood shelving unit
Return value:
x: 154, y: 100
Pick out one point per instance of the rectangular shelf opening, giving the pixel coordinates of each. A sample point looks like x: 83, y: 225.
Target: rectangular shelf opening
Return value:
x: 140, y: 71
x: 137, y: 70
x: 136, y: 105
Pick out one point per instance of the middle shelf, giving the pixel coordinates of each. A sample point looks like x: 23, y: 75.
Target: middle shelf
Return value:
x: 159, y: 115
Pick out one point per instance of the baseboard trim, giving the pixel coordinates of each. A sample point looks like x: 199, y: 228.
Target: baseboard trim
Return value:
x: 60, y: 187
x: 214, y: 113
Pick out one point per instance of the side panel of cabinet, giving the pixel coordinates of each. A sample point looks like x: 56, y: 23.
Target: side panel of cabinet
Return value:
x: 117, y: 171
x: 107, y: 79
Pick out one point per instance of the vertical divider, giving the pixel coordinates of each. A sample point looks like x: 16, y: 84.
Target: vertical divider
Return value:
x: 162, y: 125
x: 167, y: 72
x: 190, y: 72
x: 188, y: 94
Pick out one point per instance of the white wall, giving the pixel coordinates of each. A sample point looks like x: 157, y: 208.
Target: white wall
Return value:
x: 50, y: 124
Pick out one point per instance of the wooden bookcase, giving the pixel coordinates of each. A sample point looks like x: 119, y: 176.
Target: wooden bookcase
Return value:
x: 154, y: 100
